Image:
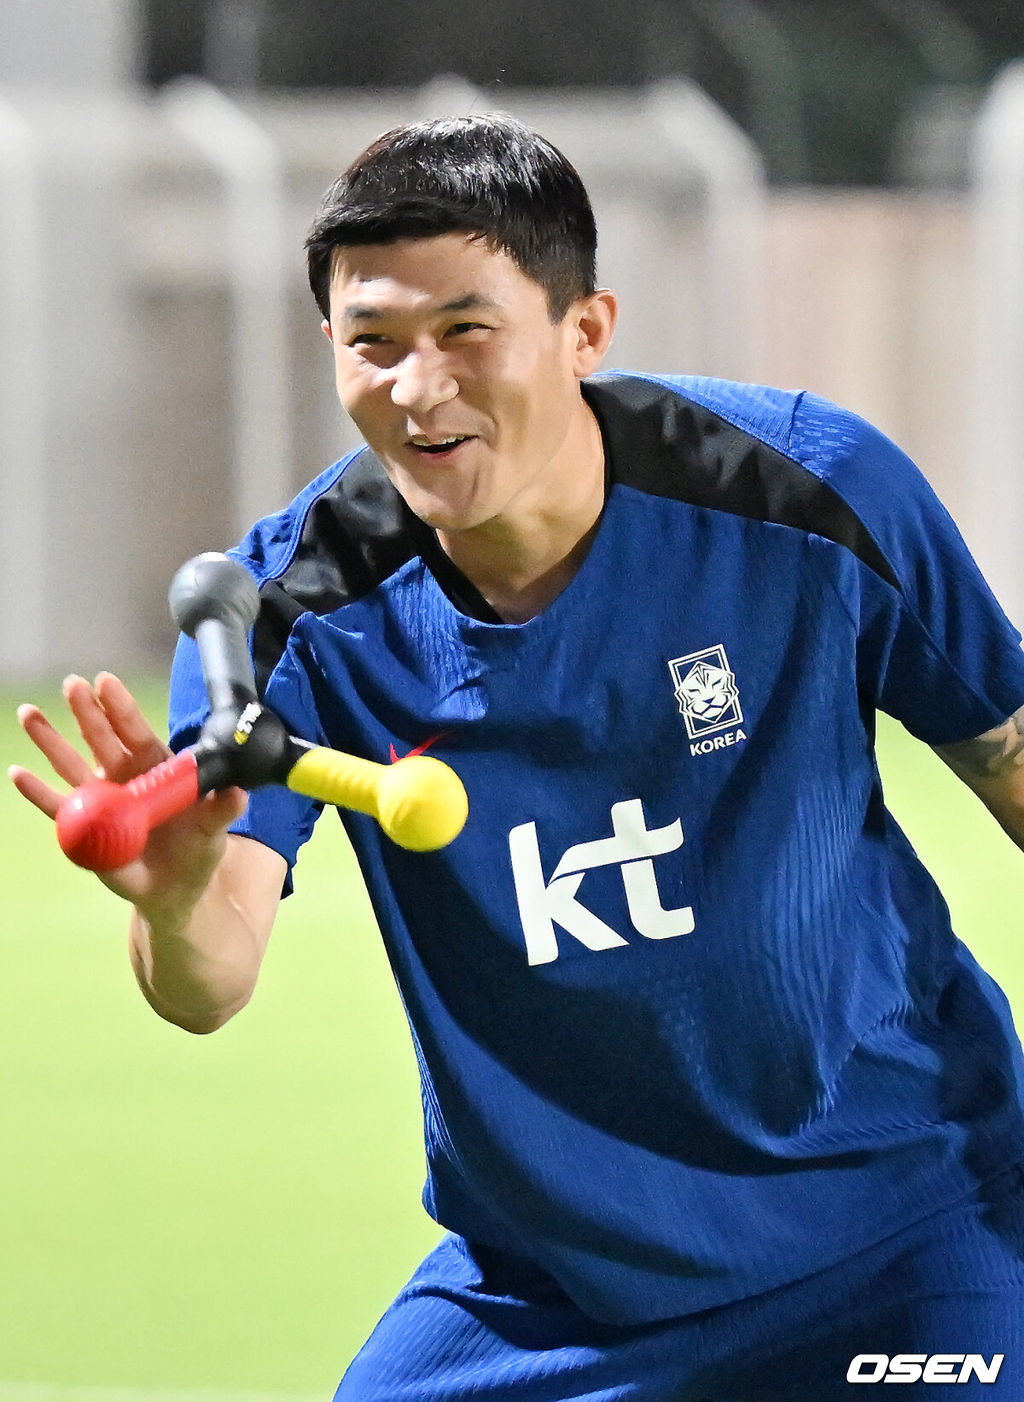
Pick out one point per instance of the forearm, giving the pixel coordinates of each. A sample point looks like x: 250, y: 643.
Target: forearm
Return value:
x: 197, y: 963
x: 204, y: 899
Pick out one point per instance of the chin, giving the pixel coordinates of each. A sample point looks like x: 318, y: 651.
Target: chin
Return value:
x: 436, y: 510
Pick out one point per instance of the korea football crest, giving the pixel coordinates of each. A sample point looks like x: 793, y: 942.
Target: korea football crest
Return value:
x: 705, y: 687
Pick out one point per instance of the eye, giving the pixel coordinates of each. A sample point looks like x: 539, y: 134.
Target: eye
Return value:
x: 461, y: 327
x: 366, y: 338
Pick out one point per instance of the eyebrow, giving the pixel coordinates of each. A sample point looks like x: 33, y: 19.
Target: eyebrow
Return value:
x: 472, y: 301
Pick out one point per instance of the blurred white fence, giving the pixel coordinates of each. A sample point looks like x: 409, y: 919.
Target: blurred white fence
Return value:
x: 996, y: 509
x: 163, y: 379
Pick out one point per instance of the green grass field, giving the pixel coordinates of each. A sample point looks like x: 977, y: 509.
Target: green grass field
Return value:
x: 230, y: 1214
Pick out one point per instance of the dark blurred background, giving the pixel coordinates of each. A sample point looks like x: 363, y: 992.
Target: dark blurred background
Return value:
x: 835, y: 92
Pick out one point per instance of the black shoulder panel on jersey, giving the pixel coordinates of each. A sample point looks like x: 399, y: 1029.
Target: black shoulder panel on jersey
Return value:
x: 664, y: 444
x: 356, y: 535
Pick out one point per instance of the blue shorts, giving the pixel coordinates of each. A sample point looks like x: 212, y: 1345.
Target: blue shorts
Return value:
x: 474, y: 1325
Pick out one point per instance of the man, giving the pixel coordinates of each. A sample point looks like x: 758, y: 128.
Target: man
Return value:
x: 714, y: 1100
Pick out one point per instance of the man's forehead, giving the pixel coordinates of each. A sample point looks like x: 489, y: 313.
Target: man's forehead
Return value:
x: 449, y: 272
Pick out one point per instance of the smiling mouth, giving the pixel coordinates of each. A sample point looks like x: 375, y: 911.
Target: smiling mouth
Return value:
x: 441, y: 447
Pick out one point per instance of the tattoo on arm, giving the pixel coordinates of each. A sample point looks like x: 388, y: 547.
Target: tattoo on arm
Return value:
x: 988, y: 756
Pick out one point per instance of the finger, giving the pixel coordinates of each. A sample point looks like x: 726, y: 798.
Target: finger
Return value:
x: 65, y: 760
x: 30, y: 786
x: 95, y: 727
x: 221, y: 809
x: 129, y: 724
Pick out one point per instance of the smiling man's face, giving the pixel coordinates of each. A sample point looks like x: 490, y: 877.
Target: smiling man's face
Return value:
x: 450, y: 366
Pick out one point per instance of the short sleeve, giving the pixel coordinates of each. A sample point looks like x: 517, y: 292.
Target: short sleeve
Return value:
x: 935, y: 649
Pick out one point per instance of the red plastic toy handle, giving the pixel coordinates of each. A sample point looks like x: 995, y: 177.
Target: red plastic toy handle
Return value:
x: 102, y: 826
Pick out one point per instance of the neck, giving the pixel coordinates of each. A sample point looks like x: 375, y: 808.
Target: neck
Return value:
x: 522, y: 560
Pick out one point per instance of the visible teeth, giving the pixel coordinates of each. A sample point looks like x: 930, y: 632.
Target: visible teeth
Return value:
x: 423, y: 442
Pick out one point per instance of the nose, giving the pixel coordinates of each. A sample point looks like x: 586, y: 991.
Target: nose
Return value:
x: 422, y: 380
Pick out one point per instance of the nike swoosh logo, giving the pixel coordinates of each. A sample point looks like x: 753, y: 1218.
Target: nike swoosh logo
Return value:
x: 420, y: 749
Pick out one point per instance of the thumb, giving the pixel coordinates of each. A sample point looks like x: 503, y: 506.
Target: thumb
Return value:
x: 224, y: 807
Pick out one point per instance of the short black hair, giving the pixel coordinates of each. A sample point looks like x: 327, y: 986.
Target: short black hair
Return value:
x: 487, y: 175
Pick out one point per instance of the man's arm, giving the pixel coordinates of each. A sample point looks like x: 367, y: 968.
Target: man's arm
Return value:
x: 204, y: 902
x: 198, y: 967
x: 992, y: 765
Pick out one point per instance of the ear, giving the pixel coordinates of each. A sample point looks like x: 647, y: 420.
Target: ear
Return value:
x: 325, y: 327
x: 593, y: 320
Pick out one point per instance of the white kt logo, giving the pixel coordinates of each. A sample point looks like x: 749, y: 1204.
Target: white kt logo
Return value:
x: 543, y: 904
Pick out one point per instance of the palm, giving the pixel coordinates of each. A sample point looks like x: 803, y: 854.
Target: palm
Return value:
x: 179, y: 856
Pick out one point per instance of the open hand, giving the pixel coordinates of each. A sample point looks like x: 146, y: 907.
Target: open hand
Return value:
x: 181, y: 855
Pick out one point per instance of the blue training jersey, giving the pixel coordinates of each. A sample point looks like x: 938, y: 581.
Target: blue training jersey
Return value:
x: 690, y: 1018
